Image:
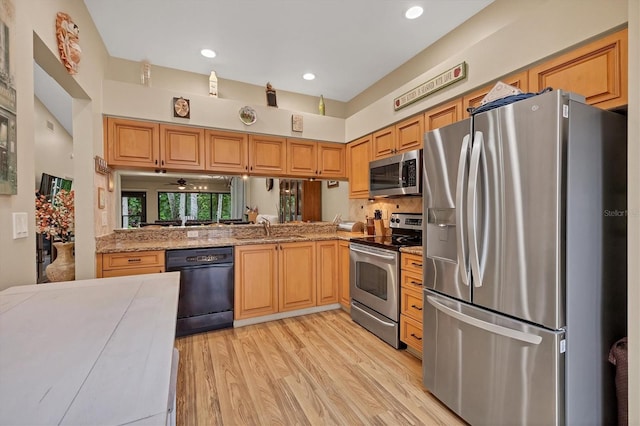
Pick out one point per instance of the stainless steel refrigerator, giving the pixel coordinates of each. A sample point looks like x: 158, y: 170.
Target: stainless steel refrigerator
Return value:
x: 525, y: 262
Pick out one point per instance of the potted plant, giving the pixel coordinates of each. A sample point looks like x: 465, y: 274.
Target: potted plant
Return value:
x: 55, y: 219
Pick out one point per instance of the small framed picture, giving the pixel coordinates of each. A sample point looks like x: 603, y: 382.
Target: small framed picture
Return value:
x: 296, y: 123
x: 332, y: 183
x: 101, y: 198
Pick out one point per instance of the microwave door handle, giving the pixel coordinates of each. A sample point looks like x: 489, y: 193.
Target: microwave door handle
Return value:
x: 472, y: 207
x: 461, y: 238
x: 382, y: 256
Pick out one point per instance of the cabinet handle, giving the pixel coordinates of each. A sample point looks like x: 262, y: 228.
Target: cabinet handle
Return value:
x: 162, y: 163
x: 416, y: 337
x: 320, y: 172
x: 416, y: 307
x: 156, y: 162
x: 134, y: 259
x: 415, y: 283
x: 251, y: 168
x: 246, y: 167
x: 419, y: 265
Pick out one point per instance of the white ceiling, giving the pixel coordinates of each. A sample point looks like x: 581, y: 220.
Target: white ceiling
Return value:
x: 348, y: 44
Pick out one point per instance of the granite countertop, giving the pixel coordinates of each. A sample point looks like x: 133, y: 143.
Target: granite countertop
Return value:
x: 176, y: 238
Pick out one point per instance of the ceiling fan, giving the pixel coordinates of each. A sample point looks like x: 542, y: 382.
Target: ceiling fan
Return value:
x: 180, y: 183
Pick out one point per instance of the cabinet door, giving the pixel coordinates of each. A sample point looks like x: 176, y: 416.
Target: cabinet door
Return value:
x: 598, y: 71
x: 328, y: 272
x: 181, y: 147
x: 343, y: 263
x: 358, y: 157
x: 331, y: 160
x: 443, y: 115
x: 133, y: 143
x: 297, y: 272
x: 384, y: 142
x: 302, y: 158
x: 473, y: 99
x: 256, y: 278
x: 410, y: 133
x: 226, y: 152
x: 267, y: 155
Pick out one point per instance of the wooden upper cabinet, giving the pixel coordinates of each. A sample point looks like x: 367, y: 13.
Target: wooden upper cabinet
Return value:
x: 302, y: 157
x: 384, y: 142
x: 226, y: 152
x: 473, y: 99
x: 598, y: 71
x: 132, y: 143
x: 443, y: 115
x: 267, y: 155
x: 317, y: 159
x: 331, y: 160
x: 358, y: 157
x: 410, y: 133
x: 181, y: 147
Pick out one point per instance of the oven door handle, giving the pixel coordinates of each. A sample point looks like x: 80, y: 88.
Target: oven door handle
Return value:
x: 373, y: 254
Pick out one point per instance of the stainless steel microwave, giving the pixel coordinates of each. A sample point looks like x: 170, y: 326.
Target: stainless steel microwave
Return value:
x: 400, y: 174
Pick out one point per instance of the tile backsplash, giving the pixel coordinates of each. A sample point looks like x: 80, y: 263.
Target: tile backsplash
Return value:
x: 359, y: 209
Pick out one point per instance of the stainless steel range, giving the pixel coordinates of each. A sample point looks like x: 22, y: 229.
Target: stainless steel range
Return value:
x: 374, y: 276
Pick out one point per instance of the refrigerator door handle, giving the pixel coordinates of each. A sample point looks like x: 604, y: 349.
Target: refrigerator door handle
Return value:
x: 472, y: 207
x: 492, y: 328
x: 463, y: 264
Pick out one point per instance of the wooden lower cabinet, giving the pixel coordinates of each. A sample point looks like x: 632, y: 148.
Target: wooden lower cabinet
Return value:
x: 129, y: 263
x: 271, y: 278
x: 328, y: 271
x: 256, y: 280
x: 343, y: 268
x: 297, y: 276
x: 411, y: 301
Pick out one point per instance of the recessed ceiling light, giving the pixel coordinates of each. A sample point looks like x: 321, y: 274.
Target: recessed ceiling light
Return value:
x: 208, y: 53
x: 413, y: 12
x: 309, y: 76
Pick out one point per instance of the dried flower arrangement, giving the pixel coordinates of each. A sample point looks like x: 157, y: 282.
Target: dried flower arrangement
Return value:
x: 55, y: 218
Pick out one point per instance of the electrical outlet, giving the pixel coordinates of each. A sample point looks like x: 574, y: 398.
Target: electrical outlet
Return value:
x: 105, y: 219
x: 192, y: 234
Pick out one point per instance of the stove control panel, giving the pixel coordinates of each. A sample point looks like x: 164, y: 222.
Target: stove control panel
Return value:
x: 406, y: 221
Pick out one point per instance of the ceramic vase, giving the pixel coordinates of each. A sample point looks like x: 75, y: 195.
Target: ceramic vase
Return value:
x: 64, y: 267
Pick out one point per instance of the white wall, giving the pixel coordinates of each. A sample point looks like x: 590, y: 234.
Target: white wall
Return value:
x: 54, y: 147
x: 36, y: 18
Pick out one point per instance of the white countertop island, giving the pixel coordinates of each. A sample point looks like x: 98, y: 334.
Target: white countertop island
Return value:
x: 88, y: 352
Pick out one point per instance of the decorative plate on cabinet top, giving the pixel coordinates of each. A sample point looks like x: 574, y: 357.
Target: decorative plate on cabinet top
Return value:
x: 247, y: 115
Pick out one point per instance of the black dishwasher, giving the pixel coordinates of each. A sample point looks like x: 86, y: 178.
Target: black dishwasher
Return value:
x: 206, y: 288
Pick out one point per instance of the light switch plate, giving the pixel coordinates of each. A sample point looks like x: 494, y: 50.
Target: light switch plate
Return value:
x: 105, y: 219
x: 20, y: 225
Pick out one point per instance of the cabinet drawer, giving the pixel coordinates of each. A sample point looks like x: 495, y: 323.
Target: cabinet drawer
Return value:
x: 412, y: 263
x: 412, y: 303
x: 133, y: 260
x: 132, y: 271
x: 411, y: 332
x: 411, y: 279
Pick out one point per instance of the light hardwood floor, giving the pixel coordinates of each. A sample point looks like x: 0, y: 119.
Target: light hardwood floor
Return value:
x: 319, y: 369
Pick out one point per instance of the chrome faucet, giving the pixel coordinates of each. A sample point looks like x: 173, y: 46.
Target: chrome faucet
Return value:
x: 267, y: 227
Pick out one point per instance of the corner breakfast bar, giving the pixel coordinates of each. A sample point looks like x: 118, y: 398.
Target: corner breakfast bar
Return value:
x: 98, y: 351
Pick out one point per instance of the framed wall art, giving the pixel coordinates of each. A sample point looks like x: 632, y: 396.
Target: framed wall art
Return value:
x: 8, y: 141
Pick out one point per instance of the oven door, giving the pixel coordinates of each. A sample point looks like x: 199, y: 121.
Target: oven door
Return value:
x: 374, y: 279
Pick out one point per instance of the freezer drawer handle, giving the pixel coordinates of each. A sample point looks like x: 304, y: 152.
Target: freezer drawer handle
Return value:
x: 492, y: 328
